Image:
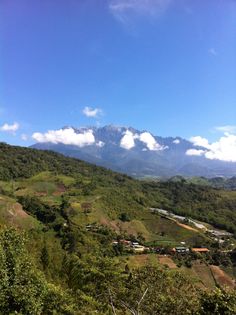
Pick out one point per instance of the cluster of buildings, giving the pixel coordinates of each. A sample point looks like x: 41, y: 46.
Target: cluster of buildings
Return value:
x: 136, y: 247
x: 131, y: 246
x: 186, y: 250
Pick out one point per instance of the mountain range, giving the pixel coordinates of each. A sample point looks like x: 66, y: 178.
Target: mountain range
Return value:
x: 134, y: 152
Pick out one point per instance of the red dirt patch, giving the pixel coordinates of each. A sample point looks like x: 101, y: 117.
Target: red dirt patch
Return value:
x: 166, y: 260
x: 111, y: 224
x: 187, y: 227
x: 41, y: 194
x: 16, y: 211
x: 60, y: 190
x: 222, y: 278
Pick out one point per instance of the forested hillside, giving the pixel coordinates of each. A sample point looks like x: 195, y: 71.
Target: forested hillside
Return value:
x: 217, y: 207
x: 204, y: 203
x: 59, y: 221
x: 215, y: 182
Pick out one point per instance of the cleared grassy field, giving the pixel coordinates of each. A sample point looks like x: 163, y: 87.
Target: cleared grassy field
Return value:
x: 136, y: 261
x: 49, y: 188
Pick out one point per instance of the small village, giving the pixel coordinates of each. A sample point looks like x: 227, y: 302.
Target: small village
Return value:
x: 137, y: 248
x: 218, y: 236
x: 206, y: 255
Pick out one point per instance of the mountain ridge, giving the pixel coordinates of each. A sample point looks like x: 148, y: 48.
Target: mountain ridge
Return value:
x: 138, y: 153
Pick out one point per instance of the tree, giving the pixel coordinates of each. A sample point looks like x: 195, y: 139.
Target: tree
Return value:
x: 218, y: 302
x: 152, y: 290
x: 94, y: 275
x: 44, y: 257
x: 65, y: 204
x: 124, y: 217
x: 23, y: 289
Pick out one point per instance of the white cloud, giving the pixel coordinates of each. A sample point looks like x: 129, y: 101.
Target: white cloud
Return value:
x: 91, y: 112
x: 127, y: 141
x: 195, y: 152
x: 224, y: 149
x: 100, y: 144
x: 176, y: 141
x: 10, y: 128
x: 66, y: 136
x: 150, y: 142
x: 24, y: 137
x: 228, y: 128
x: 124, y: 10
x: 212, y: 51
x: 201, y: 142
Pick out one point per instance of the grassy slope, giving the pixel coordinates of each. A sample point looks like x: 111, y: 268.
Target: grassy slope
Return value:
x: 49, y: 188
x: 114, y: 193
x: 48, y: 176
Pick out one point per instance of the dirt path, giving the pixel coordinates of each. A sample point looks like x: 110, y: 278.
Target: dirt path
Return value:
x: 187, y: 227
x: 222, y: 278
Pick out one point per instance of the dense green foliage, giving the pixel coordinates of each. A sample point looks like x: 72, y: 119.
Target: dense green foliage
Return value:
x: 167, y: 292
x: 218, y: 302
x: 215, y: 182
x: 23, y: 289
x: 98, y: 284
x: 19, y: 162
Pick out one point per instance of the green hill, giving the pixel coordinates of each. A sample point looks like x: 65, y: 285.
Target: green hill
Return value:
x: 119, y: 193
x: 94, y: 194
x: 71, y: 211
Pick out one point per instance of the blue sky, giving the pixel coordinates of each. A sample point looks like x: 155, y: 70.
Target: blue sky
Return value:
x: 167, y: 66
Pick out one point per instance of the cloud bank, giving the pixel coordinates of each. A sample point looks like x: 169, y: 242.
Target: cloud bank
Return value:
x: 224, y: 149
x: 10, y: 128
x: 66, y: 136
x: 128, y: 141
x: 92, y: 112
